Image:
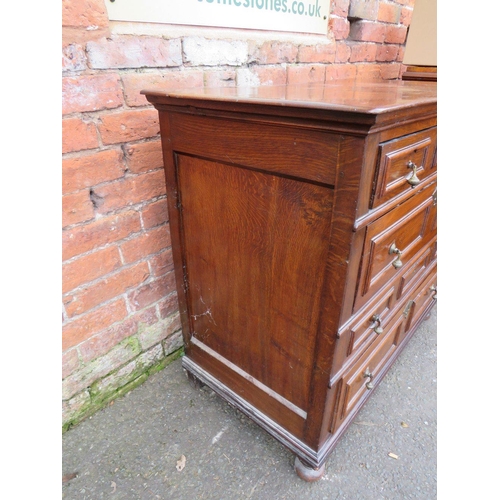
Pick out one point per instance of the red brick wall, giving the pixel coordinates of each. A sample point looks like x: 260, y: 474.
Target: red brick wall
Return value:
x: 120, y: 317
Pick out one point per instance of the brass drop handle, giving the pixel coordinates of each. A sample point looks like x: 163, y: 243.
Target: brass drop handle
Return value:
x: 369, y: 375
x: 398, y: 262
x: 413, y: 180
x: 376, y: 324
x: 433, y: 289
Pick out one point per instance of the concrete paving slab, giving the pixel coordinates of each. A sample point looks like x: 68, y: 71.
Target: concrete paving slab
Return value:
x: 130, y: 449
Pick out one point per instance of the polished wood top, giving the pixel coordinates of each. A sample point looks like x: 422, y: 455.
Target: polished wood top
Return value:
x: 347, y: 95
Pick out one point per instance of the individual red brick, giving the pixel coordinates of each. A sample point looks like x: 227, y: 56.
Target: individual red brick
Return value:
x: 306, y: 74
x: 76, y: 208
x: 340, y: 27
x: 73, y: 58
x: 147, y: 316
x: 102, y: 342
x: 106, y: 289
x: 146, y: 244
x: 78, y: 134
x: 91, y: 93
x: 82, y: 239
x: 85, y: 171
x: 317, y: 53
x: 86, y: 13
x: 152, y: 292
x: 130, y: 191
x: 363, y: 9
x: 89, y: 324
x: 270, y: 75
x: 367, y: 31
x: 127, y: 126
x: 396, y: 34
x: 162, y: 263
x: 174, y: 325
x: 70, y: 362
x: 144, y: 156
x: 406, y: 15
x: 273, y: 52
x: 340, y: 72
x: 387, y: 52
x: 340, y: 8
x: 390, y: 71
x: 155, y: 214
x: 220, y: 78
x: 343, y: 53
x: 168, y: 305
x: 363, y: 52
x: 79, y: 36
x: 368, y: 71
x: 245, y: 77
x: 134, y: 52
x: 90, y: 267
x: 200, y: 51
x: 389, y: 12
x: 133, y: 83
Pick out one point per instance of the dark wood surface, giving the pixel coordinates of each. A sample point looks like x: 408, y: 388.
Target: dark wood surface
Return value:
x: 348, y: 95
x: 420, y: 73
x: 284, y: 202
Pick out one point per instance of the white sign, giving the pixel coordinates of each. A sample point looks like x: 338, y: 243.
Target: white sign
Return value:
x: 300, y: 16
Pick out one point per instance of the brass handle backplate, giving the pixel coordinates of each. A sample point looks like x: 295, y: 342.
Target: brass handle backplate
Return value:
x: 413, y: 180
x: 368, y: 374
x: 433, y: 290
x: 376, y: 325
x: 398, y: 262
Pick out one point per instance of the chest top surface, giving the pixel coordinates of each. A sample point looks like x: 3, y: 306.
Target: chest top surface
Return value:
x: 348, y: 95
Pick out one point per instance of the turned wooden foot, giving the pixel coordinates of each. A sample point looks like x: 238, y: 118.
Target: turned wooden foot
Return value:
x: 195, y: 382
x: 307, y: 473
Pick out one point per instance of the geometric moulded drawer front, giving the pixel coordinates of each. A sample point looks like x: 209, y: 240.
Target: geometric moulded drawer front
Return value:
x: 391, y: 242
x: 403, y: 164
x: 362, y: 330
x: 357, y: 382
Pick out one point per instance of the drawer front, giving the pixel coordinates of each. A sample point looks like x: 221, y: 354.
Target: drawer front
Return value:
x: 359, y: 380
x: 393, y: 240
x: 362, y: 330
x: 403, y: 162
x: 416, y: 270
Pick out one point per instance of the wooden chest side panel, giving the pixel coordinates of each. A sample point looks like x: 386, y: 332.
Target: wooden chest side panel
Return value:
x: 254, y: 251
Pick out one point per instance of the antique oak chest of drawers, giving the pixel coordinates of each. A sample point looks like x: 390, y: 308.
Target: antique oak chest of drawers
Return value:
x: 303, y: 224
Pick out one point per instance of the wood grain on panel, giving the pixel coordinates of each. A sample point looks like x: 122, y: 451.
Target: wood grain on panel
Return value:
x: 251, y: 241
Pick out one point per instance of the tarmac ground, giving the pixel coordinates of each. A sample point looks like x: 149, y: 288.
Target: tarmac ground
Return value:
x: 134, y: 448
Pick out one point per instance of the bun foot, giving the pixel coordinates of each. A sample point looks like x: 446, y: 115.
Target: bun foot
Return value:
x: 307, y: 473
